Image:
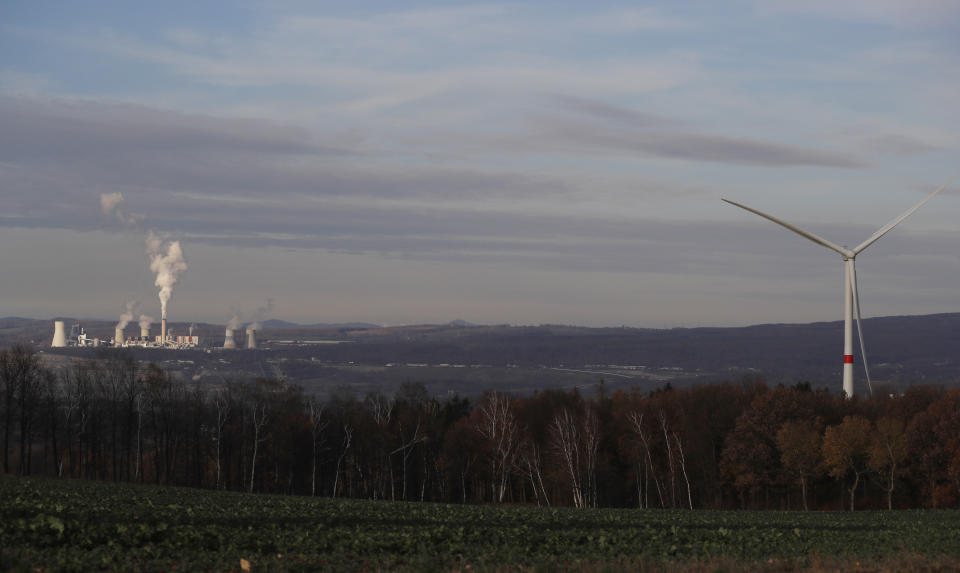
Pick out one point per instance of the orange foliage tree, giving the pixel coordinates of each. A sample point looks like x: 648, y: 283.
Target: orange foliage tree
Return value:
x: 800, y: 442
x: 846, y: 451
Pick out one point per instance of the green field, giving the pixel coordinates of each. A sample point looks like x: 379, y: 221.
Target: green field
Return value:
x: 61, y: 525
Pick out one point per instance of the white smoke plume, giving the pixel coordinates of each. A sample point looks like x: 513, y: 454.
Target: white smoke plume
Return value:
x: 235, y: 322
x: 260, y: 315
x: 112, y: 204
x: 145, y: 321
x: 130, y: 309
x: 166, y: 260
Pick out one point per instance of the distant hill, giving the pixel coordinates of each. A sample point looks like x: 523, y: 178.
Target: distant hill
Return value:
x: 902, y: 349
x: 273, y: 323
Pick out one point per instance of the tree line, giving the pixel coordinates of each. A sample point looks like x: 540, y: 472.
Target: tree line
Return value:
x: 731, y: 445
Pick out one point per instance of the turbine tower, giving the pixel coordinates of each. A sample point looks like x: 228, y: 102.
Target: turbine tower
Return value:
x: 851, y: 295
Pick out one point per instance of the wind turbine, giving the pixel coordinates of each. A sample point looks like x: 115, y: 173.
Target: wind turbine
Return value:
x: 851, y: 298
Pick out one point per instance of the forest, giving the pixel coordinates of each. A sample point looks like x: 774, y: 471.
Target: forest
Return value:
x: 737, y: 444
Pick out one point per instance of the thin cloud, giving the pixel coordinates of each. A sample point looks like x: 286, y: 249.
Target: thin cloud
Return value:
x: 894, y: 13
x: 630, y: 20
x: 77, y: 128
x: 566, y: 135
x: 613, y: 113
x: 899, y: 144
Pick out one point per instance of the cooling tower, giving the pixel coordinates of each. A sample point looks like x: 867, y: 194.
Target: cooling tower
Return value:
x: 59, y: 335
x: 228, y: 341
x: 145, y: 332
x: 251, y: 338
x: 118, y: 336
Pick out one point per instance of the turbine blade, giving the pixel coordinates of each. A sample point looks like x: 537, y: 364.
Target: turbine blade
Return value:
x: 886, y: 228
x: 856, y: 304
x: 815, y: 238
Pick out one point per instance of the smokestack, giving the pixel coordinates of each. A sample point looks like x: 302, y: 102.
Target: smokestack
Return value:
x: 163, y: 330
x: 59, y: 335
x: 228, y: 341
x: 118, y: 336
x: 251, y: 338
x: 166, y: 260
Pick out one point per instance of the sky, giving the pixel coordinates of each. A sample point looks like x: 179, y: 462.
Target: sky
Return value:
x: 516, y: 162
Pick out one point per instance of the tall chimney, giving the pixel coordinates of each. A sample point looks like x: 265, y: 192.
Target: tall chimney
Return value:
x: 228, y: 341
x: 163, y: 330
x: 118, y: 336
x: 59, y: 335
x: 251, y: 338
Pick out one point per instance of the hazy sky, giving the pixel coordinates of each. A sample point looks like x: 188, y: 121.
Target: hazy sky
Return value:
x: 522, y: 162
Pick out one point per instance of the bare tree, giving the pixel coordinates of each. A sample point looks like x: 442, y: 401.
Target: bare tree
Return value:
x: 142, y: 405
x: 381, y: 411
x: 683, y: 468
x: 9, y: 404
x: 77, y: 406
x: 405, y: 449
x: 576, y: 442
x: 590, y: 448
x: 20, y: 374
x: 347, y: 442
x: 51, y: 398
x: 498, y: 425
x: 671, y: 468
x: 221, y: 403
x: 565, y: 442
x: 259, y: 415
x: 636, y: 420
x: 530, y: 464
x: 317, y: 426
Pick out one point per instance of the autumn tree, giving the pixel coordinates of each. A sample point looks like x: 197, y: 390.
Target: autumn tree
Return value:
x: 751, y: 458
x: 888, y: 450
x: 799, y: 442
x: 846, y: 451
x: 934, y: 438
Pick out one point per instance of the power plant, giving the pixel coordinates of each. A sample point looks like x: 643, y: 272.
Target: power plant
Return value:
x: 167, y: 262
x: 78, y: 337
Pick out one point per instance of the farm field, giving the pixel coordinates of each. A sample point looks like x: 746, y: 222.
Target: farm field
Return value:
x: 63, y: 525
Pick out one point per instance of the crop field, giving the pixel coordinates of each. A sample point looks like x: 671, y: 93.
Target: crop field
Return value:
x: 62, y: 525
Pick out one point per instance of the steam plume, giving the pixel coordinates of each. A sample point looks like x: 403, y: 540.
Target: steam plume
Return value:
x: 130, y: 309
x: 166, y: 260
x: 260, y: 314
x: 112, y: 204
x: 145, y: 321
x: 234, y: 323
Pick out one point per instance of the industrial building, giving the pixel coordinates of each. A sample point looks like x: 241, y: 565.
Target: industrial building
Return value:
x: 78, y: 337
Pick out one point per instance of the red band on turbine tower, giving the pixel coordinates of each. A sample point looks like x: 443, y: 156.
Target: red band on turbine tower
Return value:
x: 848, y: 358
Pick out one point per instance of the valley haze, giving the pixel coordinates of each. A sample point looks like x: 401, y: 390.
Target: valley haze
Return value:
x: 468, y: 359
